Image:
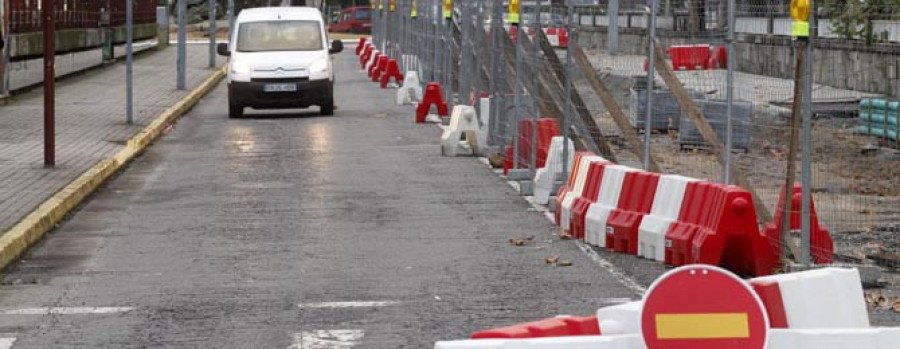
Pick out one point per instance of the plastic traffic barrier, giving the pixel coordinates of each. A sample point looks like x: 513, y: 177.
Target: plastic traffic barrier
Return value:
x: 563, y: 37
x: 547, y: 176
x: 547, y: 129
x: 431, y: 97
x: 717, y: 226
x: 411, y: 90
x: 635, y: 201
x: 360, y: 45
x: 689, y: 57
x: 373, y: 63
x: 596, y: 176
x: 380, y: 68
x: 597, y: 214
x: 844, y: 338
x: 391, y: 70
x: 553, y: 327
x: 629, y: 341
x: 570, y: 183
x: 821, y: 247
x: 664, y: 210
x: 821, y: 298
x: 364, y: 57
x: 464, y: 121
x: 567, y: 202
x: 620, y: 319
x: 718, y: 59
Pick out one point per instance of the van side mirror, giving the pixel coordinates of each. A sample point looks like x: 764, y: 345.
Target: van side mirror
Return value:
x: 222, y: 49
x: 336, y: 47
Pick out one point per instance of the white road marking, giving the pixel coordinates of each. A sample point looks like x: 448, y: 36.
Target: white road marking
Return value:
x: 327, y: 339
x: 65, y: 311
x: 347, y: 304
x: 6, y: 343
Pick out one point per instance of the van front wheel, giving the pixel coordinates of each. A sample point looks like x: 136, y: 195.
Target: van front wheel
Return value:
x: 327, y: 105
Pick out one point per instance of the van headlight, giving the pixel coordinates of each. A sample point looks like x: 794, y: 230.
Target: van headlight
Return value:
x: 319, y: 66
x: 240, y: 68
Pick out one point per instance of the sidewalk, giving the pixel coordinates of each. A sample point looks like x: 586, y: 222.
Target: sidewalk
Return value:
x: 90, y: 125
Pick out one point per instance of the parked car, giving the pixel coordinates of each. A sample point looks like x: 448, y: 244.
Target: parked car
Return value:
x: 353, y: 20
x: 279, y: 59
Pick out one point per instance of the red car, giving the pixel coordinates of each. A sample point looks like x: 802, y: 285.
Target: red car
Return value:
x: 353, y: 20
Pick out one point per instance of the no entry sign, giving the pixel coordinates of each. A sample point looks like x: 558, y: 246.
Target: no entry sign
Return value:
x: 703, y: 307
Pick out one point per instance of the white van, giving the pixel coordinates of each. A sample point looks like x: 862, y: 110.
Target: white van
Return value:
x: 279, y: 59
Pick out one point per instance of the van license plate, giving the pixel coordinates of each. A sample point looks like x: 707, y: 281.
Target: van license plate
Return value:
x: 280, y: 87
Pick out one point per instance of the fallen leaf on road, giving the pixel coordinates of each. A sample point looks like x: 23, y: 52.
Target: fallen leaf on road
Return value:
x: 564, y: 263
x: 551, y: 260
x: 564, y: 234
x: 521, y: 241
x: 897, y: 307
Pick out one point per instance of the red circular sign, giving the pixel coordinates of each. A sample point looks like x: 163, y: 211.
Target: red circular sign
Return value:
x: 703, y: 307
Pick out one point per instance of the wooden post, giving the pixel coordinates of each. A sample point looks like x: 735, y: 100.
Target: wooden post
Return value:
x: 789, y: 250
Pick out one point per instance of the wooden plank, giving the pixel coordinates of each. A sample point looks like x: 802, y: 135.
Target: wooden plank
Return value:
x: 708, y: 133
x: 575, y: 98
x: 790, y: 250
x: 628, y: 132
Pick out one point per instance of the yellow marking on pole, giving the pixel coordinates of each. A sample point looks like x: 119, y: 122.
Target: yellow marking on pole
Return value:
x: 702, y: 326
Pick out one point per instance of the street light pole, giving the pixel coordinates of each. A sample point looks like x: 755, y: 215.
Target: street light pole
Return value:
x: 129, y: 59
x: 47, y: 14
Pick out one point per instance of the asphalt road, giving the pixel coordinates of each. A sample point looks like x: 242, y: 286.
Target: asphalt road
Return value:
x: 291, y: 230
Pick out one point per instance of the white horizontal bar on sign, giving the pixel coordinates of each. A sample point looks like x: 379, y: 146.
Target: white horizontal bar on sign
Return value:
x: 7, y: 343
x: 347, y: 304
x: 65, y: 310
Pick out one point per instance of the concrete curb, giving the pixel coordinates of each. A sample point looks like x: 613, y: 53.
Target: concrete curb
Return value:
x: 45, y: 217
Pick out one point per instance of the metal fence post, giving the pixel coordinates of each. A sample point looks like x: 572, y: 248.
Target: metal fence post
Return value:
x: 532, y: 91
x: 496, y: 74
x: 569, y: 85
x: 651, y: 75
x: 806, y: 167
x: 230, y: 18
x: 729, y: 97
x: 612, y: 34
x: 517, y: 99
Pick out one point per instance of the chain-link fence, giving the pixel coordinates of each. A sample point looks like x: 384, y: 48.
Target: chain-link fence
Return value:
x: 588, y: 78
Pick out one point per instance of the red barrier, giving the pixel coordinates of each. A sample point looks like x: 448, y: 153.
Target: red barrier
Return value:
x: 513, y: 33
x: 364, y: 58
x: 821, y: 248
x: 635, y: 201
x: 770, y: 294
x: 552, y: 327
x: 563, y: 37
x: 718, y: 59
x: 681, y: 232
x: 374, y: 66
x: 391, y: 71
x: 581, y: 204
x: 689, y: 57
x: 546, y: 130
x: 570, y: 184
x: 731, y: 238
x: 379, y: 68
x: 361, y: 44
x: 432, y: 96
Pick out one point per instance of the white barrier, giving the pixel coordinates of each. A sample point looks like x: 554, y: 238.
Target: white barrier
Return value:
x: 629, y: 341
x: 552, y: 172
x: 463, y: 121
x: 411, y: 90
x: 620, y: 319
x: 565, y: 209
x: 666, y: 207
x: 850, y: 338
x: 607, y: 200
x: 821, y: 298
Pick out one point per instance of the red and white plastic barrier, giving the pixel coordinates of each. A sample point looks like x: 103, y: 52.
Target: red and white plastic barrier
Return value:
x: 546, y: 176
x: 567, y: 195
x: 822, y: 298
x: 607, y: 200
x: 705, y: 307
x: 664, y: 210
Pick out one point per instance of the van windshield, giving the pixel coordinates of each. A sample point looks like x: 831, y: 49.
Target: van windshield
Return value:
x: 279, y: 36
